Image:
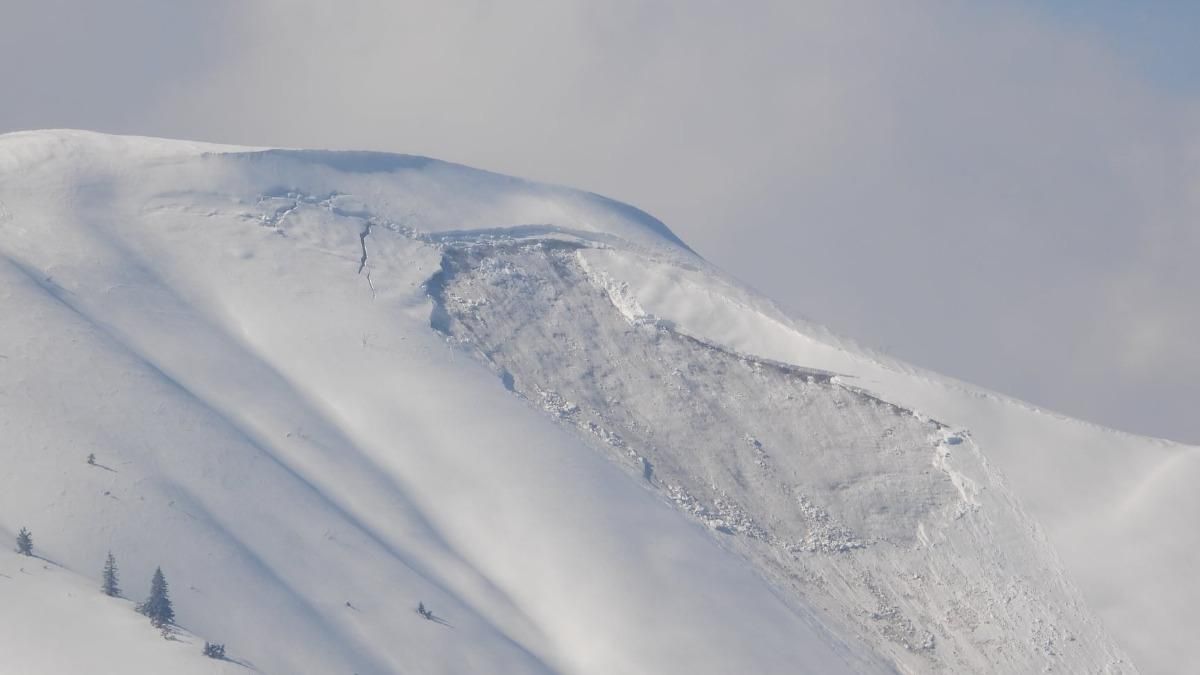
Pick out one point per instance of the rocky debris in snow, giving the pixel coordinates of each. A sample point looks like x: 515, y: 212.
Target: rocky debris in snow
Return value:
x: 824, y: 535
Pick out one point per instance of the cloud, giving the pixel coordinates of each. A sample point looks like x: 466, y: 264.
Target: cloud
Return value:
x: 979, y: 189
x: 99, y: 65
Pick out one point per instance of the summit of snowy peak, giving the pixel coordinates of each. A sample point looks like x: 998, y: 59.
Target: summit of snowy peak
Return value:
x: 420, y: 193
x: 27, y: 149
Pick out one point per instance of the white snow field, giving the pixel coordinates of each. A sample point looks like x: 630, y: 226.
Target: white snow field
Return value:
x: 54, y: 621
x: 322, y: 387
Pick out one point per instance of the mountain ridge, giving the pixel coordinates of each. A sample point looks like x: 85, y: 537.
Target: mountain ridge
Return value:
x: 206, y: 264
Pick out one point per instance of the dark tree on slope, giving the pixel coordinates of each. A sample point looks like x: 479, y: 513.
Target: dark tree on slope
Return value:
x: 213, y: 650
x: 110, y: 586
x: 24, y: 542
x: 158, y: 605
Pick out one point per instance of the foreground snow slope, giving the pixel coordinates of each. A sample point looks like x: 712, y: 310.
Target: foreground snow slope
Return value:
x: 56, y: 621
x: 308, y: 378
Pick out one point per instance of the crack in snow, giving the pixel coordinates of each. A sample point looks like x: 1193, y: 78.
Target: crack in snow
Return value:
x: 371, y: 284
x: 362, y: 241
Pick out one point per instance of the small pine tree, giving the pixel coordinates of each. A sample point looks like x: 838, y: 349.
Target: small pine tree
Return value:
x: 110, y: 586
x: 24, y: 542
x: 158, y: 605
x: 213, y: 650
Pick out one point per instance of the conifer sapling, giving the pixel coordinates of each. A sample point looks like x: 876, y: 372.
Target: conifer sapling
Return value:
x: 158, y: 605
x: 24, y: 542
x: 110, y: 586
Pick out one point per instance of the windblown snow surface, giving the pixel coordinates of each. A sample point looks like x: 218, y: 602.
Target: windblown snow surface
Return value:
x: 322, y: 387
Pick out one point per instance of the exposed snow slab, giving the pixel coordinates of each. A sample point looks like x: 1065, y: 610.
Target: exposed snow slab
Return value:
x: 1116, y: 507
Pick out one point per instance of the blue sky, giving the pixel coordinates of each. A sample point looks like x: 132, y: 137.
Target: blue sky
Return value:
x: 1157, y: 38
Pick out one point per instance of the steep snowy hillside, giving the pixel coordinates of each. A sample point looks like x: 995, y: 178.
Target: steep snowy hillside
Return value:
x: 289, y: 439
x: 1117, y: 508
x: 890, y: 522
x: 55, y: 621
x: 323, y: 387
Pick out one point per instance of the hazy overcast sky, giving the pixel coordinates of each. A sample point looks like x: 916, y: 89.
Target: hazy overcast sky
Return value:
x: 1006, y: 194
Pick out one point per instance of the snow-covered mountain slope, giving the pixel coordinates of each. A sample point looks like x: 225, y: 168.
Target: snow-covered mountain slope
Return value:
x: 890, y: 523
x: 56, y: 621
x: 302, y: 454
x: 1118, y: 509
x: 323, y: 387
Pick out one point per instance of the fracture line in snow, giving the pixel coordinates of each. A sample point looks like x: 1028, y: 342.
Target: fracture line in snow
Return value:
x: 362, y: 262
x: 362, y: 241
